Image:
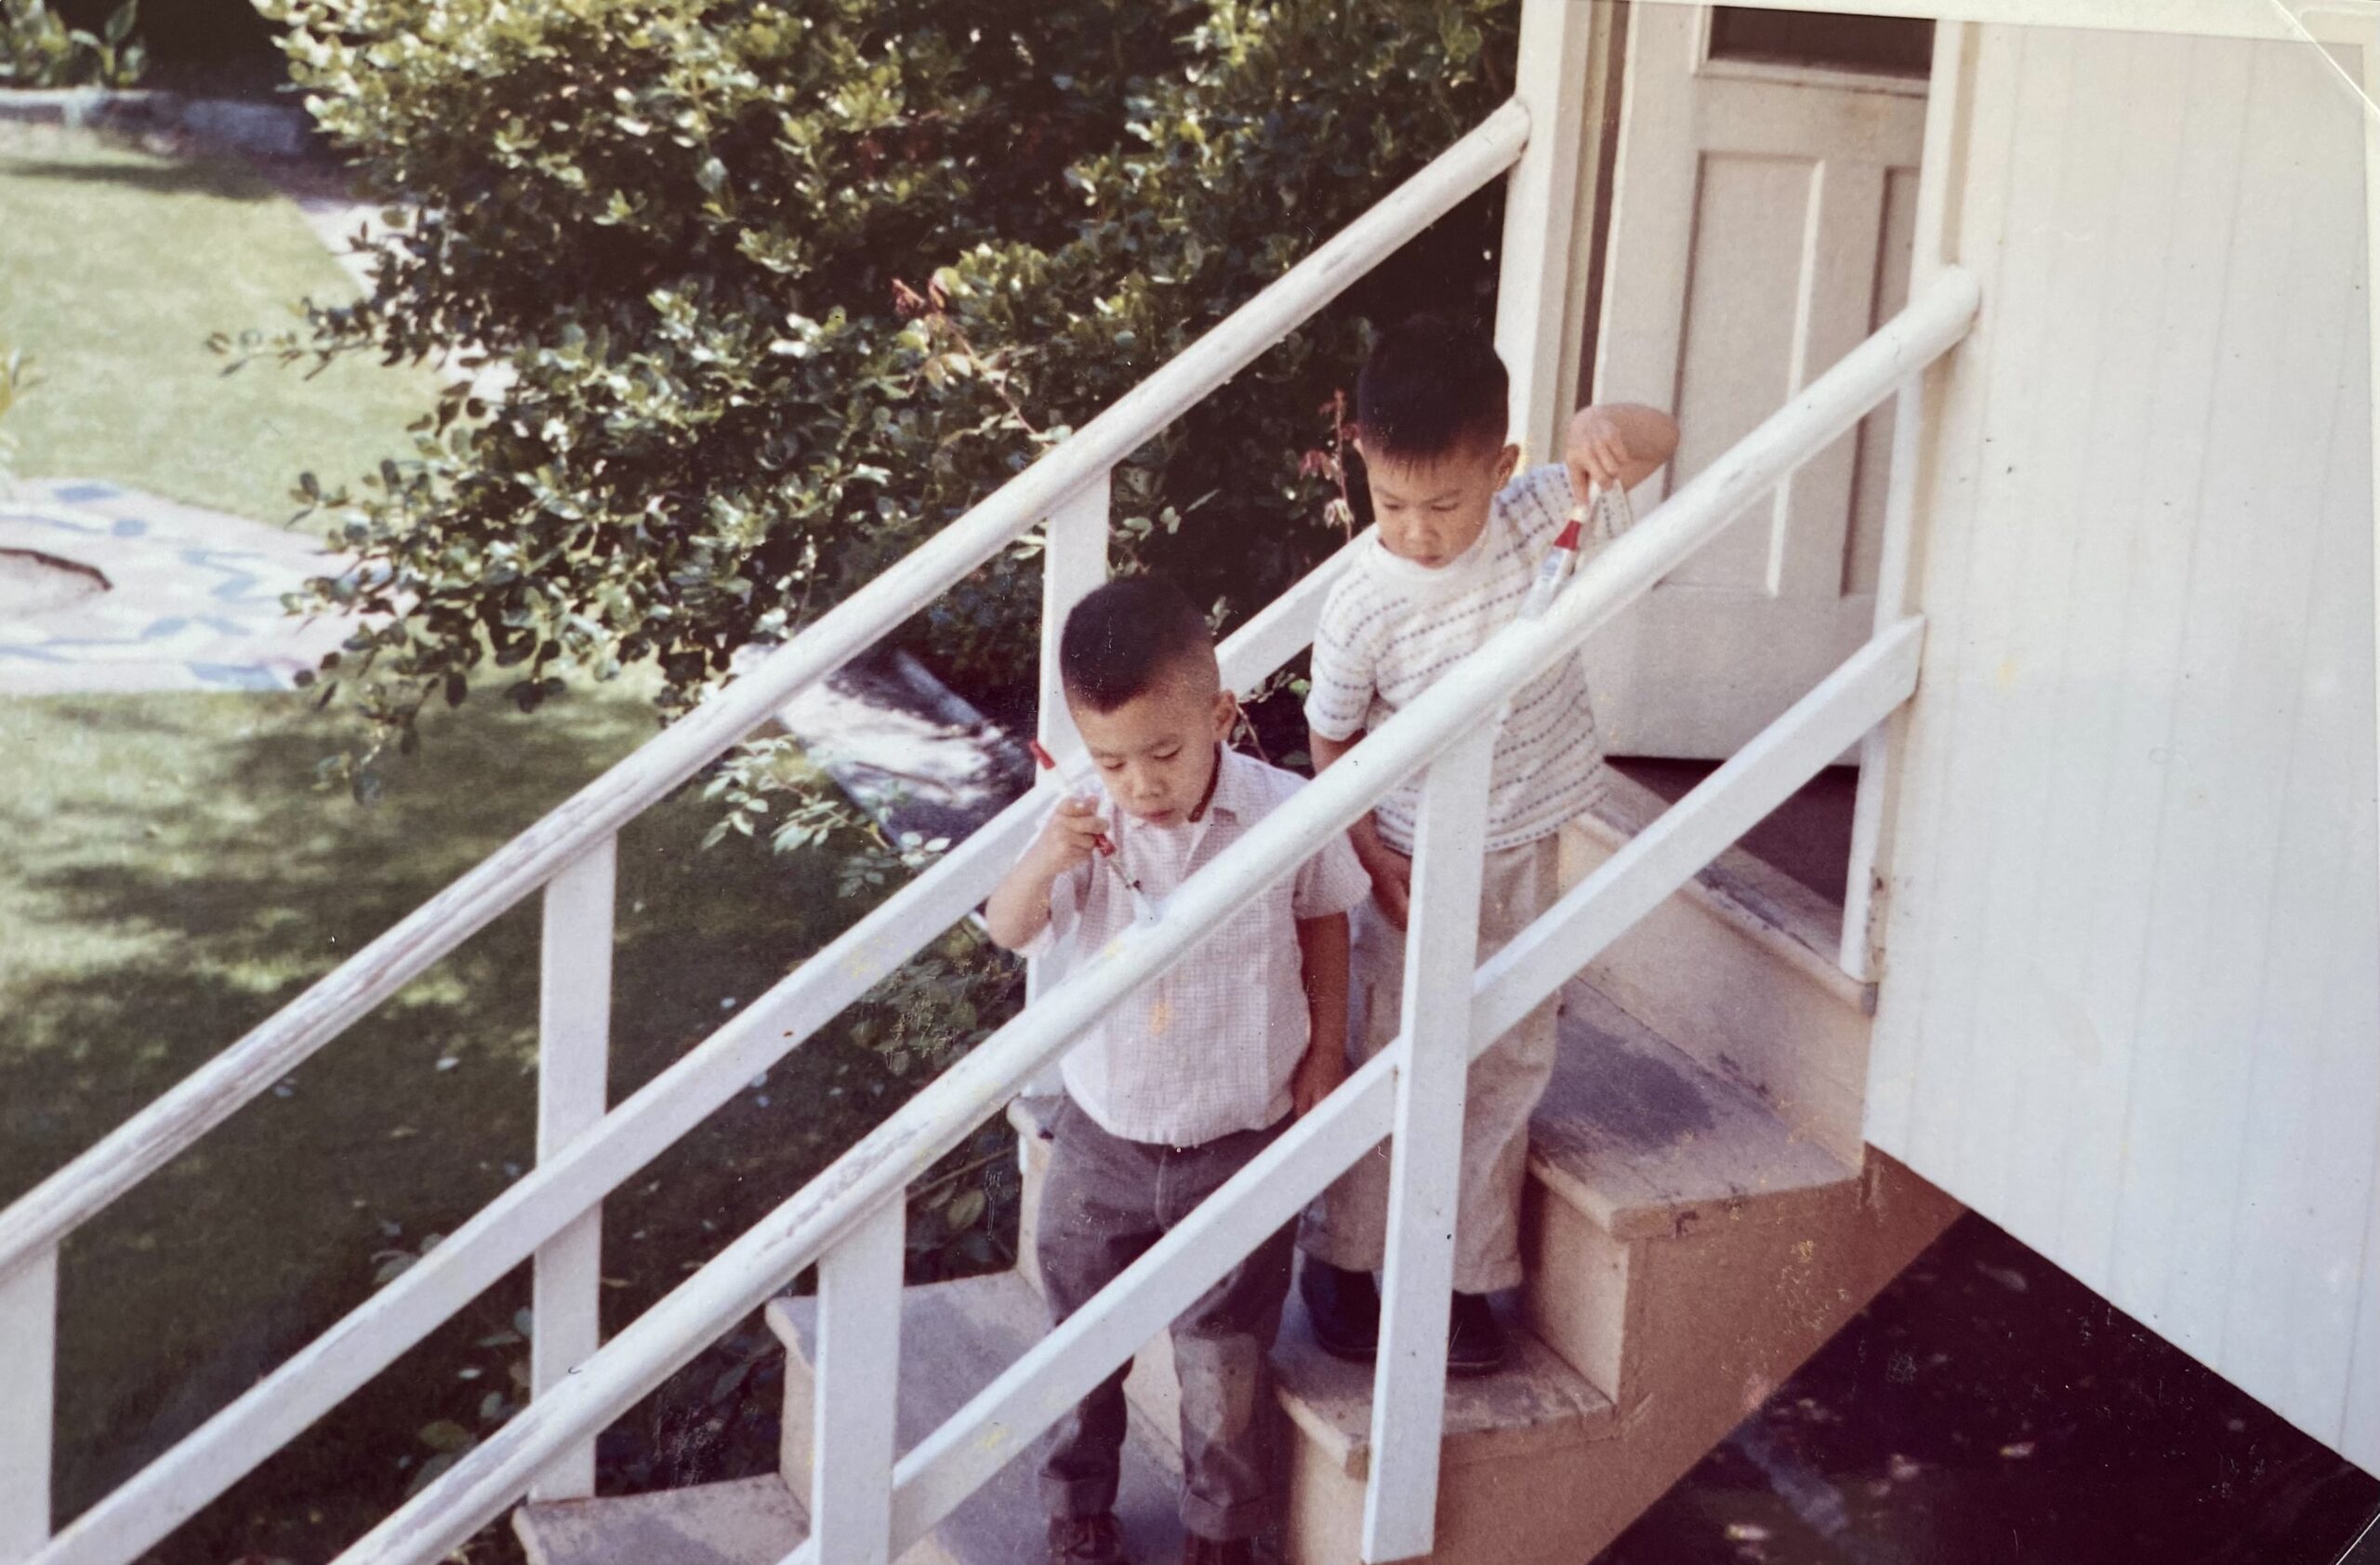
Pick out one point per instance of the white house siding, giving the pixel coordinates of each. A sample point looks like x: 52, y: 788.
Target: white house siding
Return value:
x: 2131, y: 1004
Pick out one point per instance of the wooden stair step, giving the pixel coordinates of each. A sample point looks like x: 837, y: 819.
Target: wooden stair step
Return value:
x: 955, y: 1338
x: 748, y: 1522
x: 1644, y: 1141
x: 1738, y: 969
x: 1536, y: 1402
x: 1742, y: 884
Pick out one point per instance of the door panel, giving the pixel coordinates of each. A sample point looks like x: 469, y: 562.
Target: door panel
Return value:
x: 1761, y: 223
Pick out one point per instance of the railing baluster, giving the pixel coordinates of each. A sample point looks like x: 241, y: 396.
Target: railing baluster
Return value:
x: 1441, y: 949
x: 574, y: 1068
x: 28, y: 1405
x: 859, y: 1377
x: 1073, y: 561
x: 1858, y: 954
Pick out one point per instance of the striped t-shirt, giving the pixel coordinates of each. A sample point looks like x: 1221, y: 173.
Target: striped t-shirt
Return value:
x: 1390, y: 629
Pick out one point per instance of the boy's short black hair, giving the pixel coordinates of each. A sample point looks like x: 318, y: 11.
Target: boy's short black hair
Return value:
x: 1429, y: 388
x: 1123, y: 637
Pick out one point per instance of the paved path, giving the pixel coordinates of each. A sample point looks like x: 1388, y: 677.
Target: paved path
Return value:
x: 191, y: 600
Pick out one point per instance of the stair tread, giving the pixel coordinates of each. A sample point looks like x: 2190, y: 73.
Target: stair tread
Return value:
x: 748, y: 1522
x: 955, y: 1338
x: 1800, y: 924
x: 1644, y: 1140
x: 1537, y: 1401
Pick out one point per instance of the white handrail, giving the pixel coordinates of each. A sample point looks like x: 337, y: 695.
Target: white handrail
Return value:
x: 975, y: 1441
x: 152, y: 1503
x: 32, y: 1227
x: 880, y: 1167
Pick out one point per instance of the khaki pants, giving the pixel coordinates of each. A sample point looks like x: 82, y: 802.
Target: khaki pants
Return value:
x: 1348, y: 1225
x: 1106, y: 1200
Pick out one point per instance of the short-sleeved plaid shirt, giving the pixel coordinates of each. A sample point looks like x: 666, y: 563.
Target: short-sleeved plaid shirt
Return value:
x: 1209, y: 1047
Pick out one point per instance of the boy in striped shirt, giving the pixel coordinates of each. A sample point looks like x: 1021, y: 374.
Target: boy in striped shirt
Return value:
x: 1456, y: 542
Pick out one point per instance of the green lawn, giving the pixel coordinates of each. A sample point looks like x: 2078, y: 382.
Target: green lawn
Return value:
x: 173, y: 876
x: 115, y: 267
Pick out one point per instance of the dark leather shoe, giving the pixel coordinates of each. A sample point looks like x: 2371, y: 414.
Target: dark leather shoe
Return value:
x: 1475, y: 1342
x: 1086, y: 1540
x: 1197, y: 1550
x: 1343, y: 1306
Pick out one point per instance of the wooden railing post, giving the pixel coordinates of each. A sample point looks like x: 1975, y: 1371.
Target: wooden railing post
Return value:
x: 1930, y: 243
x: 28, y: 1403
x: 1074, y: 562
x: 1536, y: 330
x: 859, y: 1380
x: 1441, y: 955
x: 573, y: 1069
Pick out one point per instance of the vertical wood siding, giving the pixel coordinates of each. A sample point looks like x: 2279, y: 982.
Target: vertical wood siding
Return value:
x: 2131, y: 1004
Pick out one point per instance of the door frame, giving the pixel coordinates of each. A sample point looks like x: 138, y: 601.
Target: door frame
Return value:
x: 2197, y: 17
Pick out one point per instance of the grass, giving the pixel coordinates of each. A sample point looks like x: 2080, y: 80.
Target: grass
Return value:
x: 176, y: 878
x: 116, y: 266
x: 173, y: 876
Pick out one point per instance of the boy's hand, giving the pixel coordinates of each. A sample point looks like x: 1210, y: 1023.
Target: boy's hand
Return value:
x: 1317, y: 1077
x: 1071, y: 836
x: 1019, y: 909
x: 1597, y: 452
x: 1392, y: 875
x: 1616, y: 443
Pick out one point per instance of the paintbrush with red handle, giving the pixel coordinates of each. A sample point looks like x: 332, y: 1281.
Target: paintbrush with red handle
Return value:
x: 1143, y: 908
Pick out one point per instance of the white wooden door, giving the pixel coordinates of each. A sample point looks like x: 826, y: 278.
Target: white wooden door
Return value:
x: 1763, y: 193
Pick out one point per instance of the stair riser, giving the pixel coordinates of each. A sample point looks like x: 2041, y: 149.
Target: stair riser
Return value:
x: 794, y: 1449
x: 745, y: 1521
x: 1725, y: 992
x: 1575, y: 1296
x: 1715, y: 1316
x: 1514, y: 1510
x: 794, y: 1455
x: 1731, y: 1313
x: 1720, y: 1319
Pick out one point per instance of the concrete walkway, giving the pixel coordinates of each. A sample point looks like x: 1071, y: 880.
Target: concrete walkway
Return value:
x: 107, y: 589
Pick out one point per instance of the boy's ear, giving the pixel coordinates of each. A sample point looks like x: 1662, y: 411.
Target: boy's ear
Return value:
x: 1226, y: 714
x: 1507, y: 463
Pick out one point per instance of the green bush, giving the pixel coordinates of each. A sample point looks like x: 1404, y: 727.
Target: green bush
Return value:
x: 40, y: 48
x: 784, y: 288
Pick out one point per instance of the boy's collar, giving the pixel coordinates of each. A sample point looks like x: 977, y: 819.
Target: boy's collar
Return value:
x: 1214, y: 798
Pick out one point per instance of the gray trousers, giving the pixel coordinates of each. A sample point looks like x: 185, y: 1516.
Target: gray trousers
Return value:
x: 1105, y: 1201
x: 1348, y: 1224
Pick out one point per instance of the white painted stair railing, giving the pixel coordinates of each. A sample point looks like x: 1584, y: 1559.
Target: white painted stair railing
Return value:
x: 553, y: 1214
x: 864, y: 1506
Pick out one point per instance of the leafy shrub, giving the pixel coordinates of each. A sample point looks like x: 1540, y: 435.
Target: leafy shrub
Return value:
x: 784, y: 288
x: 40, y: 48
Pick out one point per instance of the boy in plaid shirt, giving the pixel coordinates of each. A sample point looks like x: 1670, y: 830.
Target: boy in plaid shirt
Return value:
x: 1181, y: 1083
